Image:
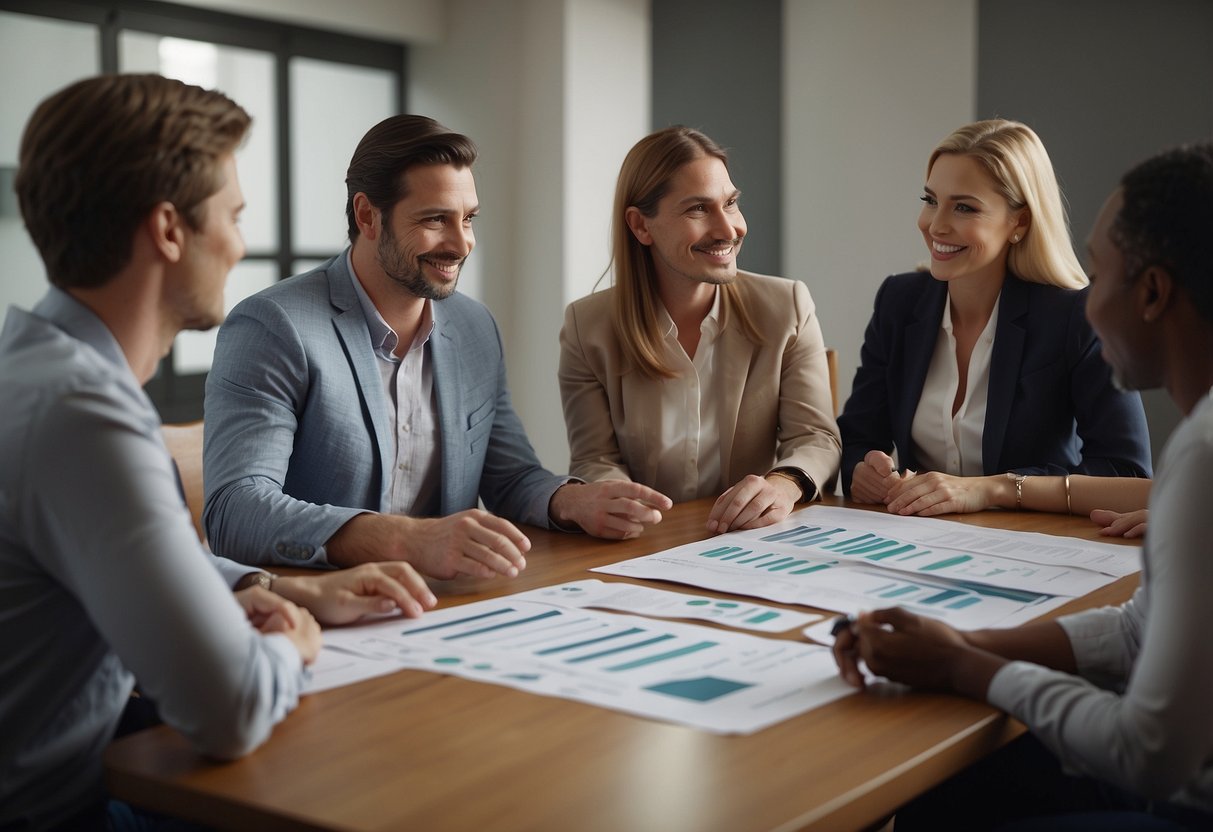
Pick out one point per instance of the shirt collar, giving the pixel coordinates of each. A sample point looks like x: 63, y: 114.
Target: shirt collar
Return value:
x: 946, y: 321
x: 710, y: 325
x: 384, y: 339
x: 80, y: 322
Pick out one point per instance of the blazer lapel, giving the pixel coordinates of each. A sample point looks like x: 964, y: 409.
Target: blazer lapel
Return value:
x: 448, y: 388
x: 733, y: 355
x: 355, y: 338
x: 917, y: 349
x: 1009, y: 338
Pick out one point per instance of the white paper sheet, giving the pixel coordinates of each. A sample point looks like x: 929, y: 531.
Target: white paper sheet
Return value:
x: 661, y: 603
x: 707, y: 678
x: 336, y: 668
x: 944, y: 535
x: 849, y: 561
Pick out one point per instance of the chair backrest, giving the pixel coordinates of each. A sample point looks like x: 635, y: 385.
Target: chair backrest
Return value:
x: 832, y: 364
x: 185, y: 444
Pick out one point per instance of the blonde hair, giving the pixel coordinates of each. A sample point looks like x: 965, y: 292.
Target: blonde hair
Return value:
x: 643, y: 180
x: 1012, y: 154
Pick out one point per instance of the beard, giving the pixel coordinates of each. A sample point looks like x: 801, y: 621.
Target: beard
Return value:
x: 406, y: 271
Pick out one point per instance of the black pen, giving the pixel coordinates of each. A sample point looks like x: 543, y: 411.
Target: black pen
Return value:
x: 842, y: 622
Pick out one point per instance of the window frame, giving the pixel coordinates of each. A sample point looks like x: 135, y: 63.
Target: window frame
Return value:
x: 179, y: 396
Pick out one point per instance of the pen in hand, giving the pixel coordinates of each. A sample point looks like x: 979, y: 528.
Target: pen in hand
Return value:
x: 842, y: 622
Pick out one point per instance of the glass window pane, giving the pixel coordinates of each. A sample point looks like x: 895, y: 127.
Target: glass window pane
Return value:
x: 193, y: 351
x: 37, y: 57
x: 332, y: 107
x: 247, y: 76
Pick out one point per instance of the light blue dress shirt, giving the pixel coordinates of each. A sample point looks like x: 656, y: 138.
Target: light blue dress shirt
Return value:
x: 102, y: 578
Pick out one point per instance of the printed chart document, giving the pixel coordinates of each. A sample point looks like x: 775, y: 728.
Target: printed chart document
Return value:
x: 850, y: 560
x: 661, y: 603
x: 706, y: 678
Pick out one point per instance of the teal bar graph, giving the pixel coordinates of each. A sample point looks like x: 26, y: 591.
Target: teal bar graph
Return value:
x: 843, y: 545
x: 813, y: 540
x: 964, y: 602
x: 758, y: 558
x: 715, y: 553
x: 905, y: 590
x: 661, y: 657
x: 788, y: 565
x: 737, y: 554
x: 762, y: 617
x: 944, y: 564
x: 501, y: 611
x: 1021, y: 595
x: 587, y: 642
x: 946, y: 595
x: 782, y: 563
x: 703, y: 689
x: 901, y: 550
x: 791, y: 533
x: 872, y: 547
x: 816, y: 568
x: 624, y: 649
x: 517, y: 623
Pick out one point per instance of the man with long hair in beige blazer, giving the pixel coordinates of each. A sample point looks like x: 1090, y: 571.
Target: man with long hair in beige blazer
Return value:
x: 688, y: 375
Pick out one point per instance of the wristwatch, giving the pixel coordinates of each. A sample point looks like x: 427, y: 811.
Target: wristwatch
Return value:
x: 263, y: 579
x: 807, y: 489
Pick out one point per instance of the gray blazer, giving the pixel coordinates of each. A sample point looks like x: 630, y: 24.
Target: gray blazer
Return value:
x: 298, y: 426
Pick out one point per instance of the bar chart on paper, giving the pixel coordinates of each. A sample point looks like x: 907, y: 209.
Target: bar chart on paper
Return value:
x: 708, y: 678
x: 848, y: 561
x: 660, y: 603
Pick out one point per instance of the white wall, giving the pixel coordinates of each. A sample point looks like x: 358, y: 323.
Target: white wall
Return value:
x: 870, y: 87
x: 415, y: 21
x: 608, y: 112
x: 525, y: 80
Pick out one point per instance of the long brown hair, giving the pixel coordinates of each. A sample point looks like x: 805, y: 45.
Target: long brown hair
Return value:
x: 643, y: 180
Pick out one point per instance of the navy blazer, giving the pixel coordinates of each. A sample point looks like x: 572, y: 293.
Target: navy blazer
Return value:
x: 1052, y: 407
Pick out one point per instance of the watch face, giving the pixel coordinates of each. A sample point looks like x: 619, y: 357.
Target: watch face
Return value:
x: 263, y: 580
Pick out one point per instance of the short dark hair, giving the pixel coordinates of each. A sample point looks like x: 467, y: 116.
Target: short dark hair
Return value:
x: 1167, y: 220
x: 100, y: 154
x: 389, y: 149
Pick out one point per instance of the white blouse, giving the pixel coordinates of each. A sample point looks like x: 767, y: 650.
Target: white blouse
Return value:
x: 688, y: 464
x: 943, y: 442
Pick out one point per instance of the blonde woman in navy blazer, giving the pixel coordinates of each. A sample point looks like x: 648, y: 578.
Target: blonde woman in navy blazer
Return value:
x: 1003, y: 270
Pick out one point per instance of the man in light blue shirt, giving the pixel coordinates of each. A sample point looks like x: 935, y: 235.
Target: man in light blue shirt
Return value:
x: 128, y: 187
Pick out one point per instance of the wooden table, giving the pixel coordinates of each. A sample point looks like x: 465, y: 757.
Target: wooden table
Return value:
x: 416, y: 750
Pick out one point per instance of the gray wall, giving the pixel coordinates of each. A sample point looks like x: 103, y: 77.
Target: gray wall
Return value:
x: 1105, y: 83
x: 720, y: 71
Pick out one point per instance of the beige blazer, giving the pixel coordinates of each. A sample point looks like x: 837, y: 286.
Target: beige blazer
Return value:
x: 777, y: 411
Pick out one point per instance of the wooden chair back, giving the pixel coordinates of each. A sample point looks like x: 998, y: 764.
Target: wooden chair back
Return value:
x: 185, y: 444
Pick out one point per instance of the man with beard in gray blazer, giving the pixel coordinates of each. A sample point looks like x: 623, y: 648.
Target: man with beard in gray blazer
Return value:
x: 358, y: 412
